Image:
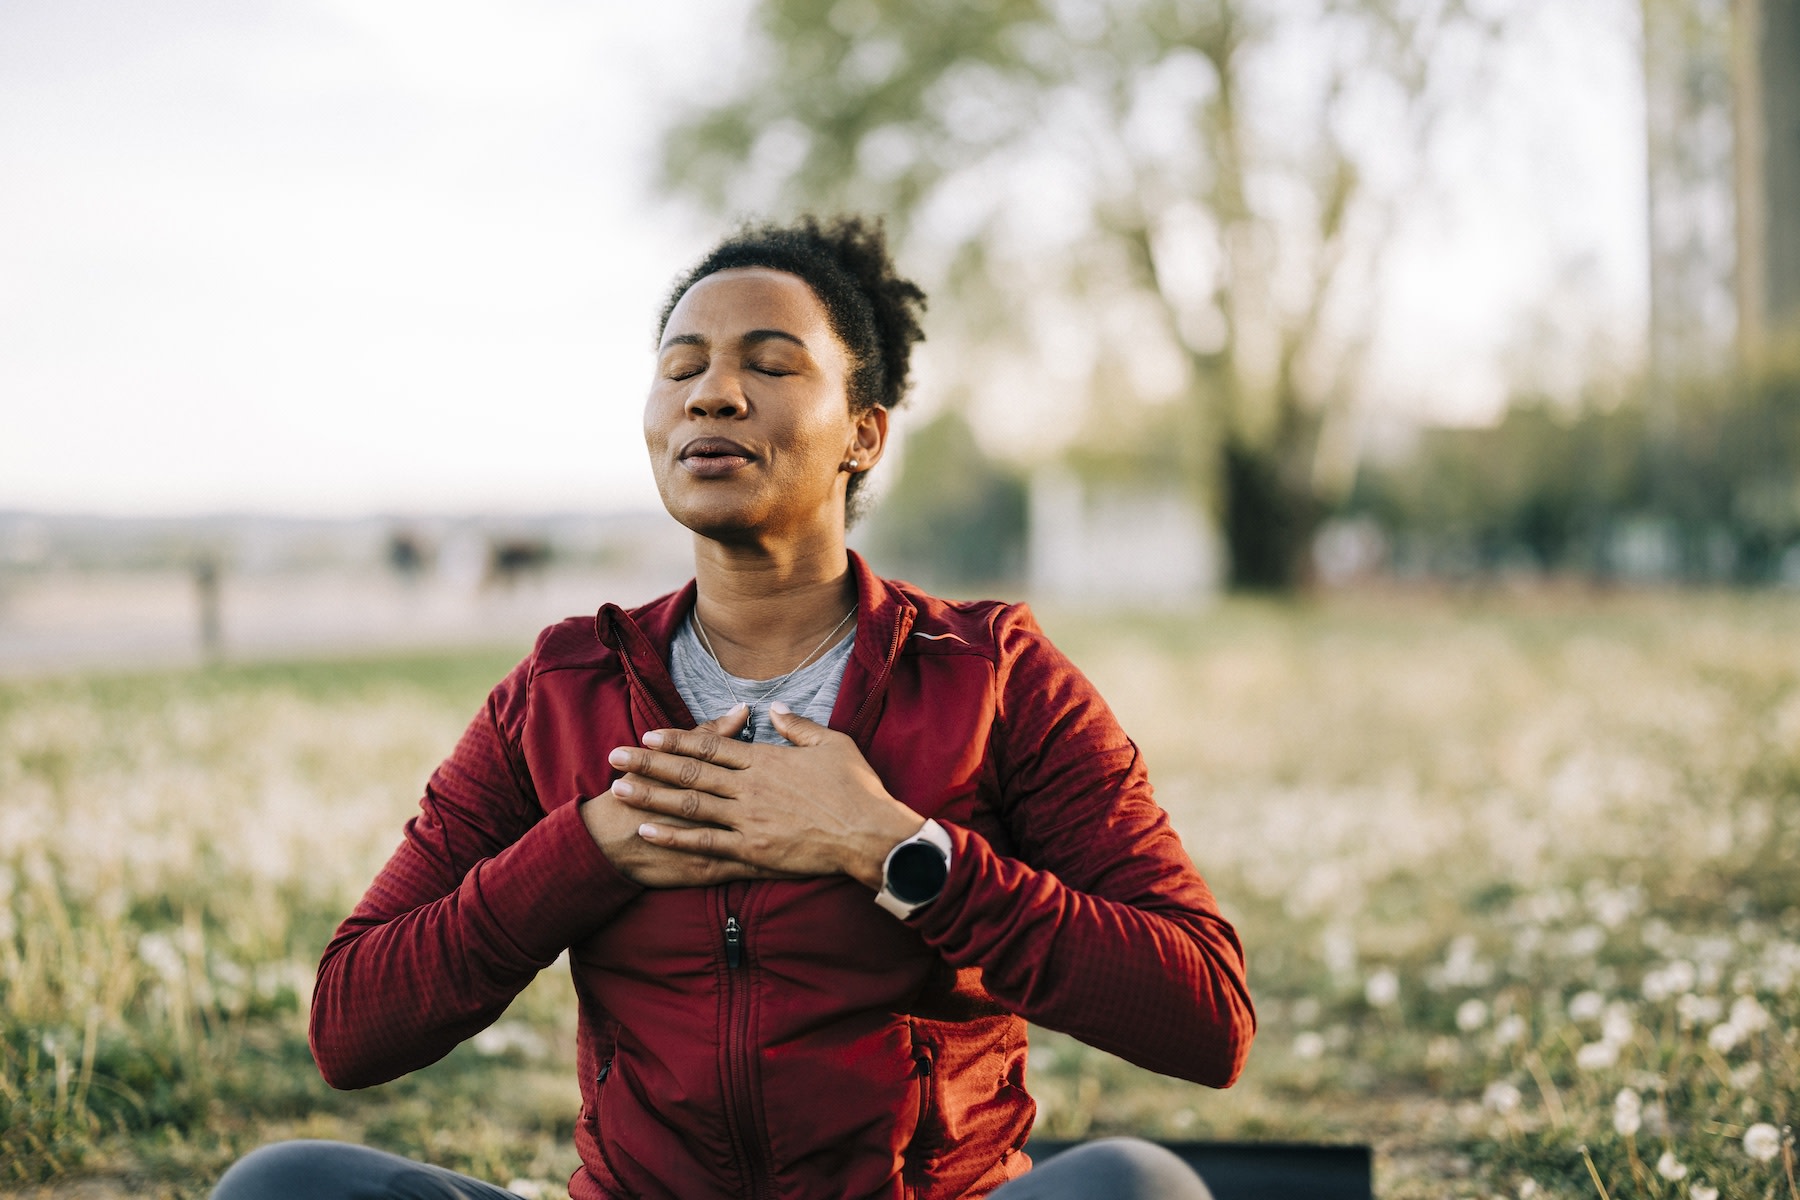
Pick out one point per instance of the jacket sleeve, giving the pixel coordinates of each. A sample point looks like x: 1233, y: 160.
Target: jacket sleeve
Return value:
x: 1100, y: 927
x: 484, y: 891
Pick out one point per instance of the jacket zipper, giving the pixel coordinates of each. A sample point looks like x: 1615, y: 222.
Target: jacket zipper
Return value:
x: 740, y: 1113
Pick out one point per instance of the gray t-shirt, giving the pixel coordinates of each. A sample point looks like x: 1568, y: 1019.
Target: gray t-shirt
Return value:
x: 709, y: 691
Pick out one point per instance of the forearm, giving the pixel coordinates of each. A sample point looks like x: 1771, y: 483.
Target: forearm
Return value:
x: 1158, y: 980
x: 417, y: 969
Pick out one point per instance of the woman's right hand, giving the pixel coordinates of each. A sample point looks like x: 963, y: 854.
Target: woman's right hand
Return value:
x: 614, y: 828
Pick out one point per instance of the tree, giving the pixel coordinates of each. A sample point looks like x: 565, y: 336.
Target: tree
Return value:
x: 1766, y: 53
x: 1181, y: 196
x: 952, y: 515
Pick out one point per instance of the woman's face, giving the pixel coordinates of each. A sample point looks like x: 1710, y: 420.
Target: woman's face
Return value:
x: 748, y: 421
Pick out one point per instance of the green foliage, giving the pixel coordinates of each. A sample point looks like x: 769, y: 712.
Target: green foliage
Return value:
x: 1716, y: 486
x: 954, y: 516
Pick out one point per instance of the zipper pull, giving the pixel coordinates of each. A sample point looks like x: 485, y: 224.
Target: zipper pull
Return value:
x: 734, y: 943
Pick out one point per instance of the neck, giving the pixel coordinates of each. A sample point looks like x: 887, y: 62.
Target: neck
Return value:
x: 765, y: 608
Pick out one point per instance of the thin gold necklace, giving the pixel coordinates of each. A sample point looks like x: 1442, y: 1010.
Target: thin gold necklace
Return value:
x: 748, y: 734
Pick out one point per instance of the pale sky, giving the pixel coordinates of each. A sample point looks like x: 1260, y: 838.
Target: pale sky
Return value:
x: 341, y: 256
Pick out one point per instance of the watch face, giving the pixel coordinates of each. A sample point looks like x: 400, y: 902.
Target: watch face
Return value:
x: 916, y: 872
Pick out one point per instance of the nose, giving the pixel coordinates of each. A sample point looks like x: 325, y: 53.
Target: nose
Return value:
x: 717, y: 393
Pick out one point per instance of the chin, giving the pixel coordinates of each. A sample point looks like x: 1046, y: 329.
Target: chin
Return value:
x: 715, y: 518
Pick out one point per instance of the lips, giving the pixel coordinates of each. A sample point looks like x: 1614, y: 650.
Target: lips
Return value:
x: 712, y: 457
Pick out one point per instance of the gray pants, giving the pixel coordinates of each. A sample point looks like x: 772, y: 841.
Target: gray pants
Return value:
x: 1111, y: 1169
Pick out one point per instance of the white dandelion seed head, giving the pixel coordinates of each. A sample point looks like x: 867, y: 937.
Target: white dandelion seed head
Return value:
x: 1382, y: 989
x: 1670, y: 1167
x: 1762, y: 1141
x: 1471, y: 1015
x: 1309, y: 1045
x: 1744, y: 1078
x: 1628, y: 1100
x: 1700, y: 1191
x: 1586, y: 1006
x: 1748, y: 1016
x: 1502, y: 1097
x: 1695, y: 1009
x: 1627, y: 1123
x: 1723, y: 1037
x: 1509, y: 1029
x: 160, y: 953
x: 1616, y: 1025
x: 1597, y: 1056
x: 1671, y: 979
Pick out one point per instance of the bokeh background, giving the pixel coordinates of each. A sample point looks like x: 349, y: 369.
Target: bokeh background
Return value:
x: 1393, y: 404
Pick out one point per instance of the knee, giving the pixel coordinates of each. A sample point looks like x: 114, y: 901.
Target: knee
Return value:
x: 1125, y: 1168
x: 279, y: 1171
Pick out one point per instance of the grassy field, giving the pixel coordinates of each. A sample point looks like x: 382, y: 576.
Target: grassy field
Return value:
x: 1518, y: 875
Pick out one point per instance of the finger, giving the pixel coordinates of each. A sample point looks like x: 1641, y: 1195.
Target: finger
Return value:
x: 673, y: 769
x: 703, y: 744
x: 689, y: 805
x: 713, y: 843
x: 796, y: 728
x: 728, y: 724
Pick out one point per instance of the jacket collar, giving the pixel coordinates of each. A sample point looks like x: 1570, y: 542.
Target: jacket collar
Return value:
x: 884, y: 616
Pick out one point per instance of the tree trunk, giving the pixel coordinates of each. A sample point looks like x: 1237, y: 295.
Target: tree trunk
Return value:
x: 1767, y: 71
x: 1271, y: 514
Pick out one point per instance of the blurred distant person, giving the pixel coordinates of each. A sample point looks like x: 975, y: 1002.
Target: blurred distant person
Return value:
x: 209, y: 604
x: 807, y: 934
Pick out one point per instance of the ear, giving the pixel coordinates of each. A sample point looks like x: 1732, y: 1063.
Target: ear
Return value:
x: 869, y: 438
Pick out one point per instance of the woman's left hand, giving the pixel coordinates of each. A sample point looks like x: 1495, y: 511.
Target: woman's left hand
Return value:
x: 813, y: 808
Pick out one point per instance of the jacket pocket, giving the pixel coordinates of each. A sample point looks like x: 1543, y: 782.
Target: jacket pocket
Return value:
x: 923, y: 1146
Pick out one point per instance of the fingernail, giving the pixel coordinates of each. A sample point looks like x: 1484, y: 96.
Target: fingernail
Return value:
x: 622, y: 788
x: 654, y: 738
x: 737, y: 708
x: 779, y: 707
x: 649, y: 831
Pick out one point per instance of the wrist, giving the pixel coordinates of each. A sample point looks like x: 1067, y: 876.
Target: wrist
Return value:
x: 871, y: 856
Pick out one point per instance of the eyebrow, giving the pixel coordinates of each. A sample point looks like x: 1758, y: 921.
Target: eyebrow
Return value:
x: 754, y: 337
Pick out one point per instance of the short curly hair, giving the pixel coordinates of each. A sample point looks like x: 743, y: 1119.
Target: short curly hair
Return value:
x: 872, y: 309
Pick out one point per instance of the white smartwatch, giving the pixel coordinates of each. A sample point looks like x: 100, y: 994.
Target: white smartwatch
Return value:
x: 915, y: 871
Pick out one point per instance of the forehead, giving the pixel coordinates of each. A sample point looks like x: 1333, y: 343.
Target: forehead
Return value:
x: 730, y: 303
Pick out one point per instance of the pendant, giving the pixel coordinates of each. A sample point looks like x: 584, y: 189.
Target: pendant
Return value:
x: 748, y: 732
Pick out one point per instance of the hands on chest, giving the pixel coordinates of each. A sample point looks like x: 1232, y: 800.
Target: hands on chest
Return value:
x: 698, y: 807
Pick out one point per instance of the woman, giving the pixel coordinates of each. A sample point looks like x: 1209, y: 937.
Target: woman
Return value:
x: 805, y: 936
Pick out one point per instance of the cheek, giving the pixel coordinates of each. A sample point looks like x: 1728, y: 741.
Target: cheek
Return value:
x: 656, y: 420
x: 825, y: 432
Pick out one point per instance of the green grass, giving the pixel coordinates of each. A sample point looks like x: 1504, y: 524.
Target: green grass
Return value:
x: 1497, y: 859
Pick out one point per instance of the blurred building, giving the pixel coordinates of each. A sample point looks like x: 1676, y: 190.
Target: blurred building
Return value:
x: 1137, y: 543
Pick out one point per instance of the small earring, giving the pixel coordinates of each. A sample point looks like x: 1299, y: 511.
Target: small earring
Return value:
x: 851, y: 465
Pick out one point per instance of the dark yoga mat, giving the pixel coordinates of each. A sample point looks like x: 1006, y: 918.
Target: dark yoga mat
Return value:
x: 1264, y: 1170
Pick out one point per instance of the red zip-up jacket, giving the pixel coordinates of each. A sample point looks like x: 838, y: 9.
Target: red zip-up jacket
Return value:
x: 822, y: 1047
